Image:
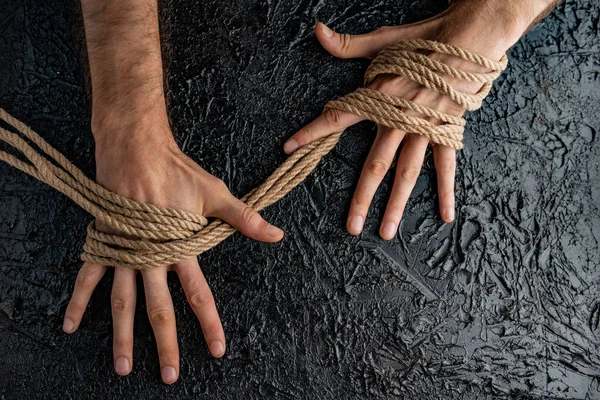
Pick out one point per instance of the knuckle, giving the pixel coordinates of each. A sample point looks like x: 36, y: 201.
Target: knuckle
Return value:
x: 168, y: 352
x: 448, y: 106
x: 377, y: 167
x: 426, y: 97
x: 394, y: 212
x: 121, y: 306
x: 303, y: 136
x: 86, y: 278
x: 250, y: 217
x: 362, y: 201
x: 333, y: 118
x: 218, y: 185
x: 446, y: 195
x: 447, y: 167
x: 345, y: 44
x: 213, y: 330
x: 160, y: 316
x: 382, y: 29
x: 391, y: 85
x: 201, y: 299
x: 220, y: 194
x: 76, y: 308
x: 122, y: 343
x: 391, y: 32
x: 384, y: 86
x: 410, y: 173
x: 395, y: 134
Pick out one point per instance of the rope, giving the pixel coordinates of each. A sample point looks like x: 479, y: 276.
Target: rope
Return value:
x: 153, y: 236
x: 404, y: 59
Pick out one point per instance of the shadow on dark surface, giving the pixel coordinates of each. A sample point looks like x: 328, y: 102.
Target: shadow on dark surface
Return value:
x: 504, y: 301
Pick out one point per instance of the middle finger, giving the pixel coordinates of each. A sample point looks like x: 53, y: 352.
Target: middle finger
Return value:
x: 162, y: 318
x: 376, y: 167
x: 123, y: 301
x: 408, y: 169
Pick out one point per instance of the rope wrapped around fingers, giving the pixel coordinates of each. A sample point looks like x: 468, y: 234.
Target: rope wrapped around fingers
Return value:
x: 152, y: 236
x: 404, y: 59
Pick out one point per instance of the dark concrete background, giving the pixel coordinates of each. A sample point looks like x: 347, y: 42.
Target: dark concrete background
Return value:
x: 504, y: 301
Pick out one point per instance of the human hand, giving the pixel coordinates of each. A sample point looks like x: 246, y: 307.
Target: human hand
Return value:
x: 141, y: 161
x: 488, y: 28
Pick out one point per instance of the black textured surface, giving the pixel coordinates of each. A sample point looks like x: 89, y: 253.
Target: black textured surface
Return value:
x: 502, y: 302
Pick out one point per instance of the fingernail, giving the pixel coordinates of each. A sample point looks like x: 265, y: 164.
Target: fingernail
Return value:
x: 356, y: 224
x: 122, y: 366
x: 273, y: 231
x: 217, y: 349
x: 450, y: 213
x: 68, y: 325
x: 326, y: 31
x: 290, y: 146
x: 169, y: 375
x: 389, y: 230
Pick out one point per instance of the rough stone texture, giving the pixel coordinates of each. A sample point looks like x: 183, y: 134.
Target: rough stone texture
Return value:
x: 504, y: 301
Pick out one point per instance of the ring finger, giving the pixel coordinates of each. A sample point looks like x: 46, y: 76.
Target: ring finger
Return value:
x: 123, y: 301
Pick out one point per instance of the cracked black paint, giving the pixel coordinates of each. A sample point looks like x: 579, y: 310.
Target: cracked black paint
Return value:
x: 503, y: 302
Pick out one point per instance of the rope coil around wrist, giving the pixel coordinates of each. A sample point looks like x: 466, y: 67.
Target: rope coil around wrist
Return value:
x: 164, y: 236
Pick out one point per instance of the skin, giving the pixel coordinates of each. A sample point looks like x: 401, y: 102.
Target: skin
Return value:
x: 136, y: 155
x: 490, y: 28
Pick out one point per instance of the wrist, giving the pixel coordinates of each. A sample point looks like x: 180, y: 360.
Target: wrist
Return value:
x: 134, y: 163
x: 130, y: 113
x: 120, y: 135
x: 503, y: 21
x: 519, y: 15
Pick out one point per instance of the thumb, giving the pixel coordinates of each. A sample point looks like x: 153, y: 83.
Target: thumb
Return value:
x: 246, y: 220
x: 367, y: 45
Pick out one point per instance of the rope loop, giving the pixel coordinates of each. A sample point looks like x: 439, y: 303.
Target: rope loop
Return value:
x: 404, y: 59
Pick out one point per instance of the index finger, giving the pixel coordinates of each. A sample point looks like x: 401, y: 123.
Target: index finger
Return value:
x: 329, y: 122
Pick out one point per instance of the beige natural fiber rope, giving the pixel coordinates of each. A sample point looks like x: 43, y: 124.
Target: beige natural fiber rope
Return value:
x: 163, y: 236
x: 404, y: 59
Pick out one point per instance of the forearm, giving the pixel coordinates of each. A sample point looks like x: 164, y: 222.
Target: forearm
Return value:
x: 549, y: 6
x: 517, y: 13
x: 520, y: 14
x: 123, y: 43
x: 501, y: 22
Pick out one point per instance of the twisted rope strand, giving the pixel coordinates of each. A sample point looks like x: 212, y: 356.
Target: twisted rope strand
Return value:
x: 153, y: 236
